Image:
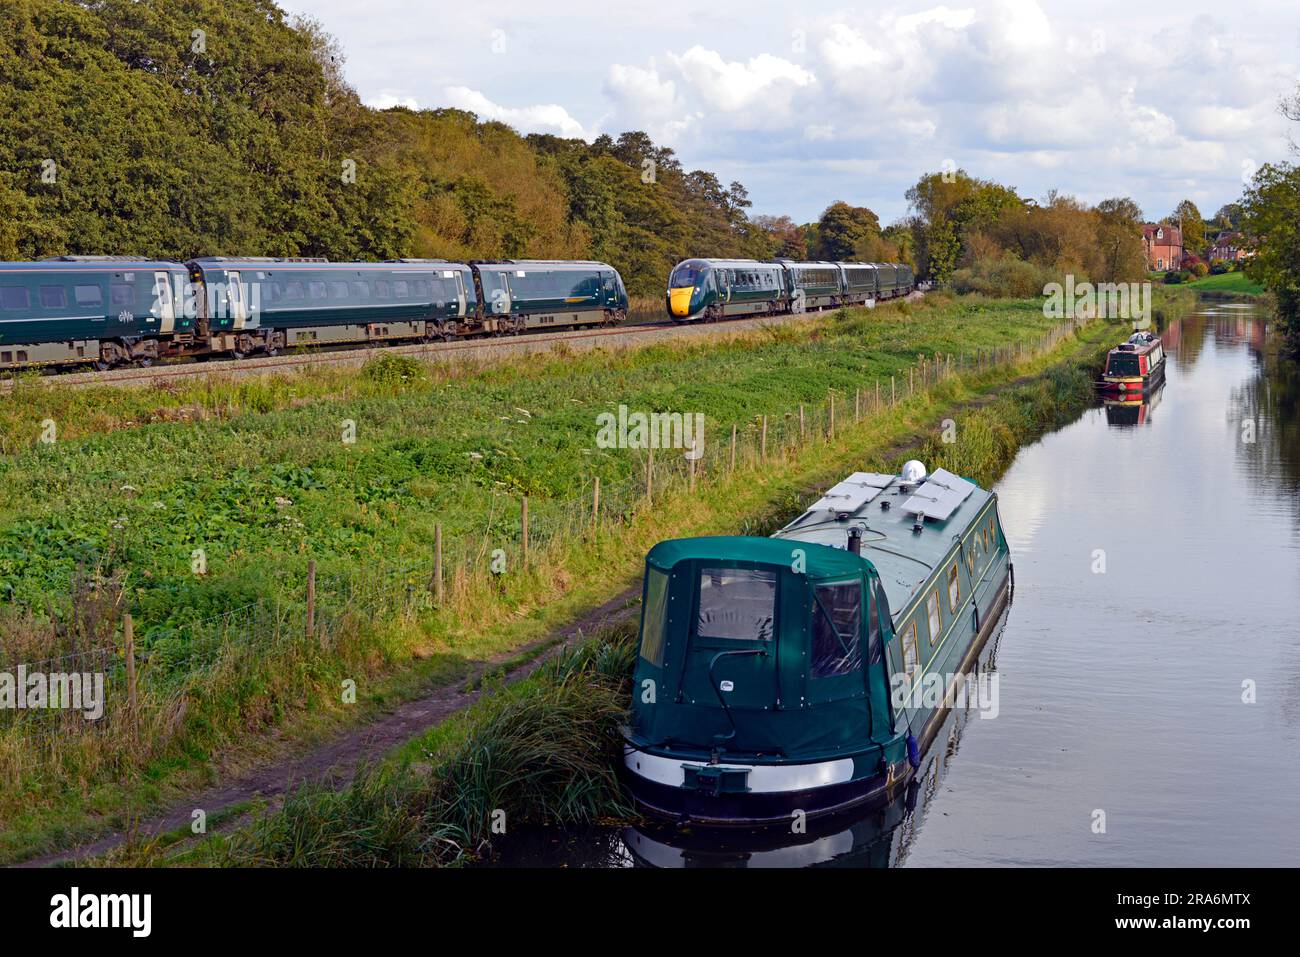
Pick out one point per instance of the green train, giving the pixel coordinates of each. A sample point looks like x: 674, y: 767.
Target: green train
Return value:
x: 712, y: 289
x: 111, y: 310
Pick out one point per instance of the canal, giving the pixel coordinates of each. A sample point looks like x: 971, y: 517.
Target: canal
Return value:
x: 1148, y: 669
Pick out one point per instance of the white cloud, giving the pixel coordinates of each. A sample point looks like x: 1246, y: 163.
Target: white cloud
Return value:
x: 387, y: 99
x: 542, y: 118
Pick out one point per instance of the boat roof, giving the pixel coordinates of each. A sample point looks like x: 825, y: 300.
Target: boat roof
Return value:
x: 1134, y: 344
x: 903, y: 558
x: 821, y: 562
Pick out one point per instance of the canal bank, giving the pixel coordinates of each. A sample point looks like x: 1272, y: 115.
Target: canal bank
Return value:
x: 1031, y: 398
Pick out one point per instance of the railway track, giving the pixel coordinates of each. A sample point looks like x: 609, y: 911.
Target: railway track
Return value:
x: 576, y: 339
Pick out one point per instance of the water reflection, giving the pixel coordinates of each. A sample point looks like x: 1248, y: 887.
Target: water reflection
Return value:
x: 1127, y: 413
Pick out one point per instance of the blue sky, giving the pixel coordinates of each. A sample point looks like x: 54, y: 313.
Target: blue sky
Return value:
x: 811, y: 103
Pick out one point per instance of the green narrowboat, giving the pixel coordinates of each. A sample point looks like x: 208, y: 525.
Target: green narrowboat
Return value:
x: 807, y: 673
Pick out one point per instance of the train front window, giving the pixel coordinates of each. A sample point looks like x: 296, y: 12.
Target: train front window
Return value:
x: 736, y: 604
x: 683, y: 276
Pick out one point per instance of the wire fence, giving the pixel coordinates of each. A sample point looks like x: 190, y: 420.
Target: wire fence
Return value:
x: 140, y: 687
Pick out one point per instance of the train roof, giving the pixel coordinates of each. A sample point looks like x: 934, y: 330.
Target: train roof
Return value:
x: 543, y: 263
x: 254, y: 262
x: 88, y: 264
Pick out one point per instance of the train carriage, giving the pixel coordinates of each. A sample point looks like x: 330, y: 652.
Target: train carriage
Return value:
x: 264, y: 305
x: 861, y: 283
x: 712, y: 289
x: 99, y: 309
x: 814, y: 285
x: 518, y: 295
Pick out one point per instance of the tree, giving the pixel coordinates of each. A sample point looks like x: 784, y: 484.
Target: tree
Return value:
x: 842, y: 228
x: 1120, y: 209
x: 1271, y: 218
x: 1188, y: 218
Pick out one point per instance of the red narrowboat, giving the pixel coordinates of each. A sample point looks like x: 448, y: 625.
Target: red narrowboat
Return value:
x: 1134, y: 367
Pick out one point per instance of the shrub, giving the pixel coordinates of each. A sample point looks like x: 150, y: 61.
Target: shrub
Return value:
x: 1004, y: 276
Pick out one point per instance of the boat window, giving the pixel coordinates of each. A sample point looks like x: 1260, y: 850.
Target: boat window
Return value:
x: 736, y: 603
x: 837, y: 623
x: 954, y: 588
x: 936, y: 622
x: 653, y: 617
x: 1123, y: 363
x: 970, y: 558
x: 684, y: 275
x: 910, y: 657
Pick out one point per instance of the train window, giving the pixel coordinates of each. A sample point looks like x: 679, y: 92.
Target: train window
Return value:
x: 420, y: 287
x: 361, y: 289
x: 684, y: 275
x: 294, y: 290
x: 383, y: 289
x: 14, y: 297
x: 54, y: 297
x: 88, y: 295
x: 316, y: 288
x: 338, y: 290
x: 400, y: 289
x: 121, y: 293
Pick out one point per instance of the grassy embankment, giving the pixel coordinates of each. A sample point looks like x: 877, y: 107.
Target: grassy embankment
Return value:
x: 255, y: 474
x: 541, y: 752
x: 1235, y: 283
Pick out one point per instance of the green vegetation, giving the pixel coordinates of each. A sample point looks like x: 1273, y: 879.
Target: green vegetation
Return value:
x: 1230, y: 282
x: 256, y: 474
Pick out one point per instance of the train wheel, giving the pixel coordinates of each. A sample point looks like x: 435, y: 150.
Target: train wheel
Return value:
x: 144, y: 362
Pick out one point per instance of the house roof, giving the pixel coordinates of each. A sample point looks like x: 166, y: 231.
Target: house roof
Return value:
x: 1173, y: 235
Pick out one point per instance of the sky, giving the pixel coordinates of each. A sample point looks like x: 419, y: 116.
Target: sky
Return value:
x: 809, y: 103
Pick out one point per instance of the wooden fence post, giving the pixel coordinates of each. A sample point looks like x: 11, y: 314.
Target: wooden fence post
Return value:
x: 128, y: 638
x: 691, y: 460
x: 801, y: 423
x: 311, y: 598
x: 595, y: 502
x: 857, y: 404
x: 831, y: 434
x: 650, y: 475
x: 437, y: 564
x: 893, y: 393
x: 763, y: 442
x: 732, y: 468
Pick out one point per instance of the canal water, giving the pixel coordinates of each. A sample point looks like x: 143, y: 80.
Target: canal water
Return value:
x: 1148, y: 668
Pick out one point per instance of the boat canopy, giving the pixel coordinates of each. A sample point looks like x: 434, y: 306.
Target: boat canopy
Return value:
x: 766, y: 647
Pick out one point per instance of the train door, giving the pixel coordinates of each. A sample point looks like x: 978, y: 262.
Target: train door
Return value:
x: 164, y: 305
x: 236, y: 302
x: 723, y: 279
x: 496, y: 292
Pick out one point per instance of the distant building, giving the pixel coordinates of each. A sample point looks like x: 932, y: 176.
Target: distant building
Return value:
x: 1228, y: 245
x: 1164, y: 246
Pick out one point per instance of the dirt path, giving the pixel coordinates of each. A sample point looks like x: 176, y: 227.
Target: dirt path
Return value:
x: 340, y: 758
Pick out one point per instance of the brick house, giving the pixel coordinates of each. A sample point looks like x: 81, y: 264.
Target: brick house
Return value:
x: 1164, y: 246
x: 1227, y: 245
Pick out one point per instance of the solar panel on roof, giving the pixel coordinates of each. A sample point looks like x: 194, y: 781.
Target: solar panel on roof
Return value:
x: 852, y: 493
x: 939, y: 495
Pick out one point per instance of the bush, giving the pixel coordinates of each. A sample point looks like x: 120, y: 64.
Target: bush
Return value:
x: 1005, y: 276
x: 1200, y: 269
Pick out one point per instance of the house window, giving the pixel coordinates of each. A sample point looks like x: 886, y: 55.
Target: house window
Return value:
x: 936, y: 621
x: 954, y: 588
x: 1160, y: 264
x: 837, y: 622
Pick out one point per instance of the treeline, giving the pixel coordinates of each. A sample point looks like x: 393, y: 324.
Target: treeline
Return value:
x: 176, y: 128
